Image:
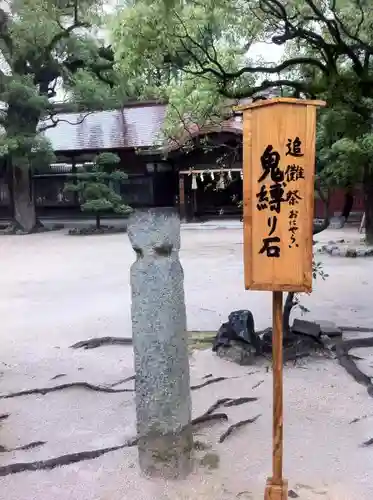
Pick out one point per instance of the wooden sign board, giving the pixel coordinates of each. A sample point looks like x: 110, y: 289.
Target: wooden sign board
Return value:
x: 278, y: 193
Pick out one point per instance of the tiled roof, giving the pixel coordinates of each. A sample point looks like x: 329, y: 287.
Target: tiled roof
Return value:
x: 136, y: 126
x: 232, y: 125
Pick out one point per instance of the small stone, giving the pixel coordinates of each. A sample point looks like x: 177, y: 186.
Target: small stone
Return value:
x: 304, y: 327
x: 330, y: 329
x: 351, y: 252
x: 238, y: 352
x: 266, y: 338
x: 292, y: 494
x: 329, y: 345
x: 337, y: 222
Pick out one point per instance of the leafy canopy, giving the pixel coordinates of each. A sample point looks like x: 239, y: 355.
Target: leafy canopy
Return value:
x: 49, y: 50
x: 198, y: 57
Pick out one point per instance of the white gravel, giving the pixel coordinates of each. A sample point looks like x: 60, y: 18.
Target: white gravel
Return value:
x: 56, y: 290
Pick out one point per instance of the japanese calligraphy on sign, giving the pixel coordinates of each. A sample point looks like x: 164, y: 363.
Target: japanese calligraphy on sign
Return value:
x: 278, y: 193
x: 279, y: 158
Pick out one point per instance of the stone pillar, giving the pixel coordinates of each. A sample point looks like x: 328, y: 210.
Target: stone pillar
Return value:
x: 162, y: 385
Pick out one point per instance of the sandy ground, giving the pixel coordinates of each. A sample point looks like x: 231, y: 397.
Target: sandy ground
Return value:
x: 56, y: 290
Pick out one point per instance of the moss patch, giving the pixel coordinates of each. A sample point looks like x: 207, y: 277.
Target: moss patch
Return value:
x: 210, y: 460
x: 200, y: 339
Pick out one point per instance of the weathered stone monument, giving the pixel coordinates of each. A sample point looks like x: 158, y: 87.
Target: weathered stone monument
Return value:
x: 163, y: 401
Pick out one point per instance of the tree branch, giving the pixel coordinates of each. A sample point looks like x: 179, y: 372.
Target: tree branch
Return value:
x: 297, y: 86
x: 55, y: 121
x: 335, y: 27
x: 66, y: 32
x: 224, y: 75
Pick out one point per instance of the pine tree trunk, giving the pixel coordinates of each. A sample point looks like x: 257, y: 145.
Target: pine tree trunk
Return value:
x: 348, y: 203
x: 368, y: 204
x: 23, y: 204
x: 98, y: 221
x: 23, y: 123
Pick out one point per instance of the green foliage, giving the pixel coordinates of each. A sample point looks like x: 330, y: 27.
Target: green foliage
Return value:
x: 96, y: 186
x: 49, y: 50
x: 159, y: 47
x: 317, y: 271
x: 198, y: 56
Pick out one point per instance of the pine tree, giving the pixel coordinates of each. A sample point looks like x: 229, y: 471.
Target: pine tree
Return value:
x: 327, y: 54
x: 48, y: 49
x: 96, y: 188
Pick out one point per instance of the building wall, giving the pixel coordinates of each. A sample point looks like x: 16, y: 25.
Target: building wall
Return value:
x: 337, y: 202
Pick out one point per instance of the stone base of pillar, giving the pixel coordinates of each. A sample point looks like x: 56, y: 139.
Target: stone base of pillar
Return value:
x: 166, y: 456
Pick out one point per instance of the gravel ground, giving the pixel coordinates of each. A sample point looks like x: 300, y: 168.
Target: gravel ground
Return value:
x: 58, y: 289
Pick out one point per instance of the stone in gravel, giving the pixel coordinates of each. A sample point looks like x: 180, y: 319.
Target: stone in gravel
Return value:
x: 331, y: 332
x: 242, y: 323
x: 223, y: 337
x: 329, y: 345
x: 330, y: 329
x: 240, y: 327
x: 292, y: 494
x: 309, y: 328
x: 351, y: 252
x: 238, y: 352
x: 337, y: 222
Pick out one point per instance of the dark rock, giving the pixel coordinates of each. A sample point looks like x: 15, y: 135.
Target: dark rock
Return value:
x: 330, y: 329
x: 240, y: 327
x: 329, y: 345
x: 292, y: 494
x: 224, y: 336
x: 351, y: 252
x: 266, y: 340
x: 303, y: 327
x: 242, y: 324
x: 238, y: 352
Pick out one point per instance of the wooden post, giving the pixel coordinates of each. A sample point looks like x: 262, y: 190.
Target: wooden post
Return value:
x: 277, y: 488
x: 278, y: 198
